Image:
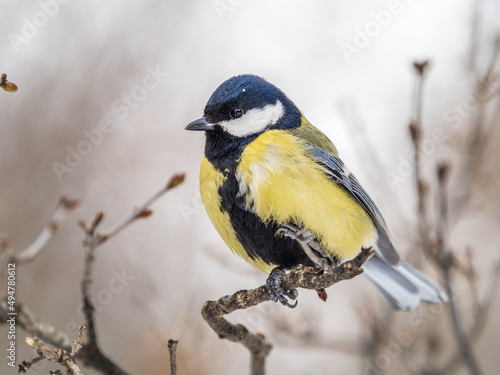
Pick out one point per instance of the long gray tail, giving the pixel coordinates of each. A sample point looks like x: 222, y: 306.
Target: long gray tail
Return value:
x: 402, y: 285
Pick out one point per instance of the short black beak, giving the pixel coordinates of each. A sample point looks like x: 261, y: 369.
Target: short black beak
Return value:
x: 200, y: 124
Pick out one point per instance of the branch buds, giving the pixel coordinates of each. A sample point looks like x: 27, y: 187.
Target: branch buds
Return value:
x: 176, y: 180
x: 421, y: 66
x: 69, y: 203
x: 145, y: 213
x: 6, y: 85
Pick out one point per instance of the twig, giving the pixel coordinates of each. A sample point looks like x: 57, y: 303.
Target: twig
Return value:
x: 64, y: 207
x: 446, y: 262
x: 92, y: 240
x: 56, y: 355
x: 24, y: 366
x: 143, y: 211
x: 475, y: 32
x: 90, y: 354
x: 89, y: 245
x: 33, y: 323
x: 416, y: 133
x: 172, y: 348
x: 481, y: 317
x: 300, y: 276
x: 77, y: 345
x: 9, y: 255
x: 484, y: 93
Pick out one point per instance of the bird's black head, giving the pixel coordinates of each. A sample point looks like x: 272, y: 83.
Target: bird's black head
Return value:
x: 245, y: 106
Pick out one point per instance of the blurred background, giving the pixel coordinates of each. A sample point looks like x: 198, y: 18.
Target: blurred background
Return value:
x: 105, y: 91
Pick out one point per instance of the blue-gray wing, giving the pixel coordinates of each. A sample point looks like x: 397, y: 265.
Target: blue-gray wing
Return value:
x: 338, y: 172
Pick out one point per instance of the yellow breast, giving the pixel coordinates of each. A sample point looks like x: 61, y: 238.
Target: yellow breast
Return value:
x: 211, y: 180
x: 286, y: 185
x: 280, y: 183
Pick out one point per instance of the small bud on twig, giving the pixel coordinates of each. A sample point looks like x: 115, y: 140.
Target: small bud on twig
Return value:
x: 97, y: 220
x: 69, y: 203
x: 421, y: 66
x: 145, y: 213
x: 6, y: 85
x: 176, y: 180
x: 82, y: 225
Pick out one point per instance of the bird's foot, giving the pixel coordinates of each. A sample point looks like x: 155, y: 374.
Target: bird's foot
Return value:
x: 295, y: 231
x: 277, y: 292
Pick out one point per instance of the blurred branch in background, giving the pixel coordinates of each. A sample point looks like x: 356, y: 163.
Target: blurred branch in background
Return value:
x: 486, y: 94
x: 10, y: 255
x: 386, y: 347
x: 89, y: 353
x: 434, y: 227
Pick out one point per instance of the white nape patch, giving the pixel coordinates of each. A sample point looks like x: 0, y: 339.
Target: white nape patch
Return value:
x: 254, y: 121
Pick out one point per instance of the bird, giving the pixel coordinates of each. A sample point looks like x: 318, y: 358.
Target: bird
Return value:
x: 268, y: 175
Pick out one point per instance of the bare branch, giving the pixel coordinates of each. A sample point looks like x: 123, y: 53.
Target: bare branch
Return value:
x: 304, y: 277
x: 445, y: 263
x: 77, y: 345
x: 481, y: 317
x: 143, y: 211
x: 94, y: 239
x: 64, y: 207
x: 56, y: 355
x: 8, y: 255
x: 416, y: 133
x: 172, y: 349
x: 486, y: 89
x: 475, y: 32
x: 90, y: 354
x: 24, y: 366
x: 33, y: 323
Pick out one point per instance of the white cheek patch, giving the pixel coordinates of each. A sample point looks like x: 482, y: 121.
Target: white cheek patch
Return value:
x: 254, y: 121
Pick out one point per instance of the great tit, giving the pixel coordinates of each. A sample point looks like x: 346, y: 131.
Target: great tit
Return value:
x: 267, y: 168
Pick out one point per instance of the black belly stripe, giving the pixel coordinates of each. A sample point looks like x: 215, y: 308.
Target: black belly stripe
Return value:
x: 258, y: 238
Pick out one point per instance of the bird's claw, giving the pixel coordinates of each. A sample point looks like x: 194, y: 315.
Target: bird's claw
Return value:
x: 277, y: 292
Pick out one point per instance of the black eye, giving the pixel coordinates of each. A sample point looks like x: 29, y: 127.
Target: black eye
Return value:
x: 236, y: 112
